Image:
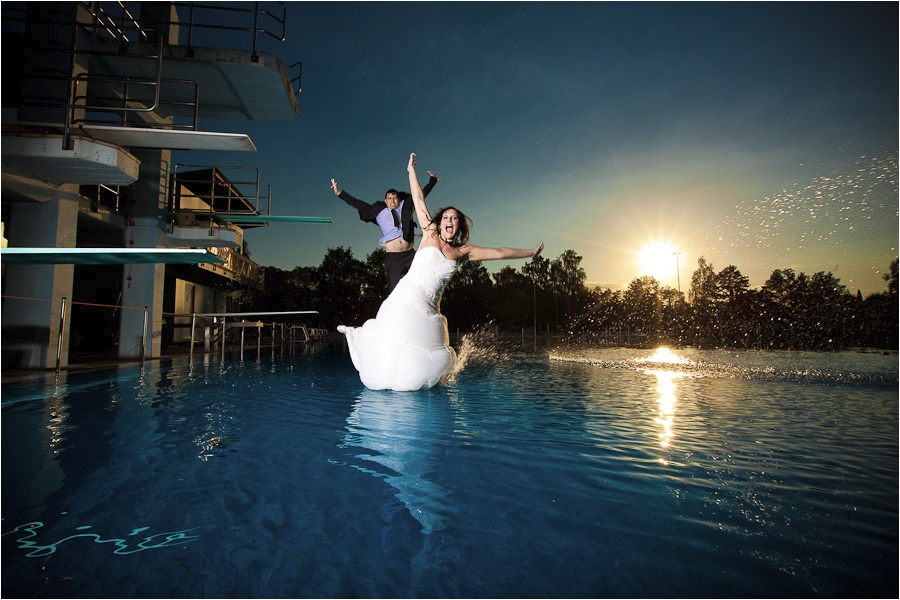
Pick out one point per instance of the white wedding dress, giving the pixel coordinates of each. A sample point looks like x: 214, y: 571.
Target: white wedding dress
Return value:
x: 406, y: 346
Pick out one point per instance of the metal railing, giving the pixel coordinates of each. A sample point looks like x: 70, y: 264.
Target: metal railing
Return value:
x: 104, y: 98
x: 115, y: 30
x: 218, y: 190
x: 64, y: 314
x: 115, y: 21
x: 248, y: 17
x: 220, y: 322
x: 287, y: 331
x: 241, y: 268
x: 233, y: 16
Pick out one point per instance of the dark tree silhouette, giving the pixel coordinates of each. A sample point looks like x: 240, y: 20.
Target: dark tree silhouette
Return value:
x: 644, y: 306
x: 464, y: 300
x: 891, y: 278
x: 339, y: 288
x: 513, y: 299
x: 789, y: 311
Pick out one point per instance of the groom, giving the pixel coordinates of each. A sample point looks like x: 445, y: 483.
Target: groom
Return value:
x: 394, y: 216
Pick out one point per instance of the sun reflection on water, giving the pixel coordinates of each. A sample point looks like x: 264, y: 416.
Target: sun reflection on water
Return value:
x: 665, y: 418
x: 666, y: 388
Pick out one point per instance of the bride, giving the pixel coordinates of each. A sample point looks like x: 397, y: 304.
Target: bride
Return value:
x: 407, y: 346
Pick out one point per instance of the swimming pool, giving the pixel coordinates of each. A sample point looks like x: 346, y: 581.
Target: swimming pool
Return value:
x: 582, y: 473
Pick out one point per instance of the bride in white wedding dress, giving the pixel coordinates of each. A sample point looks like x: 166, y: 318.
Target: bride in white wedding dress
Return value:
x: 406, y: 346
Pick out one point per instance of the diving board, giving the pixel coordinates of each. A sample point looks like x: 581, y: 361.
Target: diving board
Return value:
x: 106, y: 256
x: 173, y: 139
x: 239, y: 218
x: 133, y: 136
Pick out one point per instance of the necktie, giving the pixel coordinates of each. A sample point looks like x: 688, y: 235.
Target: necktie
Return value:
x: 396, y: 218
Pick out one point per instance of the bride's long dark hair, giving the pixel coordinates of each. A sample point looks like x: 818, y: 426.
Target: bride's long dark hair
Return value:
x: 462, y: 235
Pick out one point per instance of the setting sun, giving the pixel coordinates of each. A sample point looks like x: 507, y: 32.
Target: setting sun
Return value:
x: 659, y: 261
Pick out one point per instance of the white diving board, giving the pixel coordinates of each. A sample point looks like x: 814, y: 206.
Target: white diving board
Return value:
x: 135, y: 137
x: 106, y: 256
x: 173, y: 139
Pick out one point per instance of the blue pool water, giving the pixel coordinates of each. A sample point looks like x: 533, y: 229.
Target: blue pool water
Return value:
x: 588, y: 473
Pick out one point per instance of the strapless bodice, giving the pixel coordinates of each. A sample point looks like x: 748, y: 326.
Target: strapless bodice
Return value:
x: 429, y: 274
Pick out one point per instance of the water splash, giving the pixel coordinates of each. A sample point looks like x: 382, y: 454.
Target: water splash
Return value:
x: 760, y: 366
x: 484, y: 348
x: 851, y: 204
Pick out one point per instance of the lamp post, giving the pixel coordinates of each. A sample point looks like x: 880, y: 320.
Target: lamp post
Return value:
x: 677, y: 270
x: 534, y: 305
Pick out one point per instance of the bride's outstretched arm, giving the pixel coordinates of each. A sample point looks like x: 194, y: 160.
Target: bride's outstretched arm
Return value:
x: 418, y: 195
x: 480, y: 253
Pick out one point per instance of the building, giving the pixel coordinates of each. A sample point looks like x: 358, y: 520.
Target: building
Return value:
x: 108, y: 94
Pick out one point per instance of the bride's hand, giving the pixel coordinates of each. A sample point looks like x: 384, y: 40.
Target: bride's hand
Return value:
x: 537, y: 249
x: 412, y: 162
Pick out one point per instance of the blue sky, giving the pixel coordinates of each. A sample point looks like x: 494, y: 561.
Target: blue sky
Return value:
x: 763, y: 136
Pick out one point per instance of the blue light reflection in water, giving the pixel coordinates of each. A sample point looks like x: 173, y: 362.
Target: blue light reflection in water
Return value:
x: 611, y: 472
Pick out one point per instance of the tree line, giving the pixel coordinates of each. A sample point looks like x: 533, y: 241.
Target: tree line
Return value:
x: 791, y: 311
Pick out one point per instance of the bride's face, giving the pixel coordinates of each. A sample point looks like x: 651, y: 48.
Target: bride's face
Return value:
x: 449, y: 224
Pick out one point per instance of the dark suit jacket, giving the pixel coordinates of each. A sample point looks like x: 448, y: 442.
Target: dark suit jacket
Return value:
x: 368, y: 212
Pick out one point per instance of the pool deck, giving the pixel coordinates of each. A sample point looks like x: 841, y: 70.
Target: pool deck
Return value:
x: 83, y: 362
x: 86, y: 362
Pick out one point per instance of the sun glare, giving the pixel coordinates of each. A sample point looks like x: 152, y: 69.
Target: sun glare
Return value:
x: 658, y: 260
x: 664, y: 355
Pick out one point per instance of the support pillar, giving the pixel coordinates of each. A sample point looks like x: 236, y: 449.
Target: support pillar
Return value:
x: 143, y: 284
x: 31, y: 309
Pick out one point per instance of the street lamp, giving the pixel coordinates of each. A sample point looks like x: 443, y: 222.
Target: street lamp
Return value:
x: 677, y: 270
x: 534, y: 305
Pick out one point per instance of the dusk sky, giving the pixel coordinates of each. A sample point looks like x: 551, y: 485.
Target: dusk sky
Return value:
x: 763, y: 136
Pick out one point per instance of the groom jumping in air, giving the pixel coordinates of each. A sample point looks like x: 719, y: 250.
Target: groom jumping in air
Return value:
x: 394, y: 216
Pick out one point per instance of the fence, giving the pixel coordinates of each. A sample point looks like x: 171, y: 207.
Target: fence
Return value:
x: 292, y: 333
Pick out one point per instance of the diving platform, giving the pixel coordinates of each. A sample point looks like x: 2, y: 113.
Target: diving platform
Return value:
x: 106, y: 256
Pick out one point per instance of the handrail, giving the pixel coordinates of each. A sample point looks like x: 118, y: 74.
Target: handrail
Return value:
x: 63, y: 338
x: 124, y: 27
x: 128, y: 101
x: 298, y: 80
x: 116, y: 22
x: 74, y: 98
x: 243, y: 269
x: 105, y: 22
x: 228, y: 188
x: 222, y: 12
x: 258, y: 325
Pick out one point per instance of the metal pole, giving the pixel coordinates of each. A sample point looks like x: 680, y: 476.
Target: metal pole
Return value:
x: 534, y: 307
x: 144, y: 336
x: 678, y: 270
x: 193, y: 322
x: 62, y: 326
x: 255, y: 56
x: 191, y: 26
x: 243, y: 329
